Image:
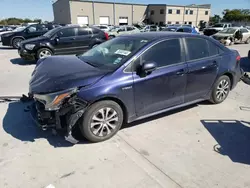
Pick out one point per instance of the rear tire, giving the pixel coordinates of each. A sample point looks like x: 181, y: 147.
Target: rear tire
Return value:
x: 221, y: 89
x: 16, y: 42
x: 101, y: 121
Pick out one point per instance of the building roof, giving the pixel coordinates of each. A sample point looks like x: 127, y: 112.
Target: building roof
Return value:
x: 126, y: 3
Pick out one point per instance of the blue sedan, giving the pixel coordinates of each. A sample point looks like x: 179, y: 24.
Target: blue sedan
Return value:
x: 128, y: 78
x: 187, y: 29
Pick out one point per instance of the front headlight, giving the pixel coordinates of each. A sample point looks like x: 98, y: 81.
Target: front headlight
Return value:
x: 53, y: 101
x: 29, y: 46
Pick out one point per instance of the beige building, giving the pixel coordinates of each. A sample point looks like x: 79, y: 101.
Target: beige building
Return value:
x: 97, y: 12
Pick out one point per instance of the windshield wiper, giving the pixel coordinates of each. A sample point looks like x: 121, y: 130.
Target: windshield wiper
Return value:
x: 85, y: 61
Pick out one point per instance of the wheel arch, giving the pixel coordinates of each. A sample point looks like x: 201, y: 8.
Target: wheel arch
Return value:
x: 21, y: 37
x: 230, y: 75
x: 118, y: 101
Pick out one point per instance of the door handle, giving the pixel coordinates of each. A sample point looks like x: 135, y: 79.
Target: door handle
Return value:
x: 180, y: 72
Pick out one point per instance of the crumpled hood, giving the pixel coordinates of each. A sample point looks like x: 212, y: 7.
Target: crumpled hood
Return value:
x: 58, y: 73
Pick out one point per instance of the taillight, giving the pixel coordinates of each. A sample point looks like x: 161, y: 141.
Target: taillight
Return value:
x: 107, y: 36
x: 238, y: 59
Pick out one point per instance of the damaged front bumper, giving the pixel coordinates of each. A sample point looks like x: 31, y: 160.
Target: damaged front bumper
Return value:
x: 64, y: 118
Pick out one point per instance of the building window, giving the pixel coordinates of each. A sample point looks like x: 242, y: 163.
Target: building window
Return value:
x: 169, y: 22
x: 191, y: 12
x: 185, y: 22
x: 178, y: 11
x: 177, y: 22
x: 169, y: 11
x: 152, y: 12
x: 162, y: 11
x: 186, y: 11
x: 190, y: 23
x: 206, y: 12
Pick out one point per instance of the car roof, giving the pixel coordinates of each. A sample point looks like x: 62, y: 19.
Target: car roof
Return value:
x: 185, y: 27
x: 160, y: 34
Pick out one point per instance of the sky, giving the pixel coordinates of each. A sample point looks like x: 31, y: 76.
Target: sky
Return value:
x: 43, y: 8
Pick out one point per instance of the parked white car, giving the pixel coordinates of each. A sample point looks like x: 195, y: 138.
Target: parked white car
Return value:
x: 105, y: 28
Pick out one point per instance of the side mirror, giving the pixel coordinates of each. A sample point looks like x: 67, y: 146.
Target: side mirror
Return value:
x: 146, y: 68
x: 56, y: 39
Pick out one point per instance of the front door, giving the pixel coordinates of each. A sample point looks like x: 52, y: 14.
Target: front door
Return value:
x: 36, y: 30
x: 164, y: 87
x: 65, y: 41
x: 203, y: 59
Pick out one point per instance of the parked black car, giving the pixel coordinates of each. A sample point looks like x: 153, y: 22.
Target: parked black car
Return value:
x: 63, y: 40
x: 35, y: 30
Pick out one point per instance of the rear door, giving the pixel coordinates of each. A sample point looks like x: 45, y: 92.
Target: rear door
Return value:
x: 83, y: 39
x: 66, y: 41
x: 203, y: 59
x: 245, y: 34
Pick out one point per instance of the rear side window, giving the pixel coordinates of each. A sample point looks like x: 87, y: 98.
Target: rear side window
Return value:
x: 130, y: 28
x: 95, y: 31
x: 197, y: 48
x: 83, y: 31
x: 103, y: 27
x: 213, y: 49
x: 42, y: 28
x: 69, y: 32
x: 164, y: 53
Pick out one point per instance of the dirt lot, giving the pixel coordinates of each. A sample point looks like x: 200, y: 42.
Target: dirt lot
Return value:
x: 200, y: 146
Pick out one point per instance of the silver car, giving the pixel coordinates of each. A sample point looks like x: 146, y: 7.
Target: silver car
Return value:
x: 233, y: 34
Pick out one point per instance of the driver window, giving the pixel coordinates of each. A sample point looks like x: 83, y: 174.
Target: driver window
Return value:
x: 32, y: 29
x: 69, y: 32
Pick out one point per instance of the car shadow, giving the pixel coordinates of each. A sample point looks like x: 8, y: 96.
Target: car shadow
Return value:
x: 233, y: 138
x: 6, y: 48
x: 20, y: 61
x: 18, y: 123
x: 245, y: 64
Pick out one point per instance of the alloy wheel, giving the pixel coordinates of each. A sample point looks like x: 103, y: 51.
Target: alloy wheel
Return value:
x: 104, y: 122
x: 44, y: 53
x: 222, y: 90
x: 16, y: 42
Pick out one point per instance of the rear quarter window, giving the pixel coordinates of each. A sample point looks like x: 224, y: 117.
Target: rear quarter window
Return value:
x: 197, y: 48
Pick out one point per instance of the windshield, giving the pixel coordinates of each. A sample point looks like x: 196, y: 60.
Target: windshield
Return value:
x: 19, y: 29
x: 51, y: 32
x: 218, y: 25
x: 113, y: 53
x: 229, y: 30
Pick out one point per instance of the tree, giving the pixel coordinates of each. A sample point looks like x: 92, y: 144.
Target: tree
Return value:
x: 38, y: 20
x: 215, y: 19
x: 236, y: 15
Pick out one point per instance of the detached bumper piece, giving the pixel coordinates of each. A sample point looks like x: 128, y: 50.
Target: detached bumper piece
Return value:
x: 63, y: 119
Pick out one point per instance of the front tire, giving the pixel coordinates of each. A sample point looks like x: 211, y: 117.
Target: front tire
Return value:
x: 221, y: 89
x: 16, y: 42
x: 101, y: 121
x: 43, y: 53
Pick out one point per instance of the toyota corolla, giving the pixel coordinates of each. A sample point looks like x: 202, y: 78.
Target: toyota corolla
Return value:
x: 129, y: 78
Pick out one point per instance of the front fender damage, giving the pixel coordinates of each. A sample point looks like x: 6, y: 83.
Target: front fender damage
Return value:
x: 64, y: 119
